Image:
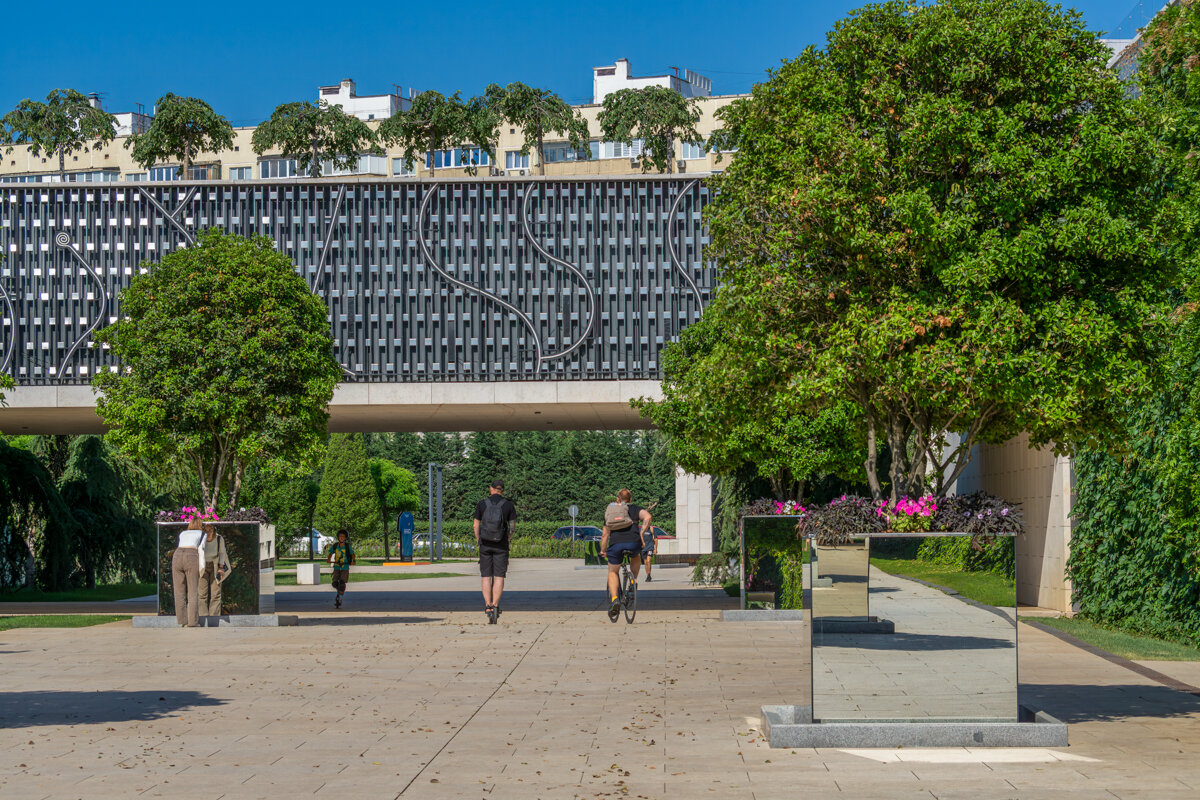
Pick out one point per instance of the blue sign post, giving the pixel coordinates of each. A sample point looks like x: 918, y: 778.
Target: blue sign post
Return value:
x: 406, y: 525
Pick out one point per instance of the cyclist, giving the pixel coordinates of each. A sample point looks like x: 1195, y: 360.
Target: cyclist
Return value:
x: 626, y: 525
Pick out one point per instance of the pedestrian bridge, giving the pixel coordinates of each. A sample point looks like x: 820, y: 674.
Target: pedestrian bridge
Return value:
x: 454, y: 305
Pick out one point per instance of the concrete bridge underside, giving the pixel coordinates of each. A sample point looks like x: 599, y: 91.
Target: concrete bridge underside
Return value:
x: 385, y: 407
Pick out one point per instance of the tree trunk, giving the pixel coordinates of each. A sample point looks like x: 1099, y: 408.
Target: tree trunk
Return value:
x: 238, y: 474
x: 383, y: 513
x: 670, y: 154
x: 872, y: 462
x: 62, y: 164
x: 541, y: 154
x: 314, y: 167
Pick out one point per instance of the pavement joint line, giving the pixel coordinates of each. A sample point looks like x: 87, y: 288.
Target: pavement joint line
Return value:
x: 474, y: 713
x: 1132, y: 666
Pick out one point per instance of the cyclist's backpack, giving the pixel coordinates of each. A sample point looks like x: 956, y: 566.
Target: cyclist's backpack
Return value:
x: 616, y: 516
x: 492, y: 526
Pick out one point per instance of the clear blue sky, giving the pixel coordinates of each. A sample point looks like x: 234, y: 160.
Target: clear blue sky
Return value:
x: 245, y: 58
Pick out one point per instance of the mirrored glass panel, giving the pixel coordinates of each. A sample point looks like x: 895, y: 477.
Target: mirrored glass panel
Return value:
x: 890, y: 646
x: 775, y: 561
x: 227, y: 571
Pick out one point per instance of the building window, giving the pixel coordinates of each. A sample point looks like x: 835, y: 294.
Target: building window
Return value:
x: 514, y: 160
x: 241, y: 173
x: 277, y: 168
x: 558, y: 152
x: 94, y: 176
x: 164, y: 174
x: 134, y: 177
x: 459, y: 157
x: 400, y: 168
x: 366, y: 165
x: 205, y: 173
x: 690, y: 151
x: 621, y: 149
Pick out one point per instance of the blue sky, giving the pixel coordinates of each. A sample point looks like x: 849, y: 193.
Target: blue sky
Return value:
x: 246, y: 58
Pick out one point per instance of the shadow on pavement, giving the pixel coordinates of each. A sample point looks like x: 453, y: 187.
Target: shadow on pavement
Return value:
x: 27, y: 709
x: 430, y: 601
x: 1090, y: 703
x: 913, y: 642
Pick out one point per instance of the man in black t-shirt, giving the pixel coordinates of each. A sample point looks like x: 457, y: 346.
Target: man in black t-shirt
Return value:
x: 494, y: 517
x: 614, y: 544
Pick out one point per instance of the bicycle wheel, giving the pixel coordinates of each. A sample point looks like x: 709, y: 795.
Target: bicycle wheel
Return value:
x: 629, y: 590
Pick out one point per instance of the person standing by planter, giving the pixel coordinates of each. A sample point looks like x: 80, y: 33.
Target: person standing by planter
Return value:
x: 216, y: 569
x: 185, y: 574
x: 341, y: 558
x: 494, y: 518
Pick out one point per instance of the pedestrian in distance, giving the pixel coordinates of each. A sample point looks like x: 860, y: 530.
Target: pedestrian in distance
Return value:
x: 494, y: 518
x: 341, y: 558
x: 625, y: 528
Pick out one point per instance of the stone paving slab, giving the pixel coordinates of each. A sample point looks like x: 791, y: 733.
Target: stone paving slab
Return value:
x: 426, y: 701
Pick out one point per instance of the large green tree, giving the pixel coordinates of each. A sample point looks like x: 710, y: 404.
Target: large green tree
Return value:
x: 66, y: 123
x: 538, y: 112
x: 655, y: 114
x: 227, y: 359
x: 436, y: 122
x: 724, y: 413
x: 312, y: 133
x: 34, y: 523
x: 347, y: 498
x: 942, y: 218
x: 182, y: 129
x: 396, y: 489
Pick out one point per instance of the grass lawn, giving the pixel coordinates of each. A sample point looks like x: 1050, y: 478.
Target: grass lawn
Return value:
x: 58, y: 621
x: 99, y: 594
x: 1120, y: 643
x: 289, y: 578
x: 984, y: 587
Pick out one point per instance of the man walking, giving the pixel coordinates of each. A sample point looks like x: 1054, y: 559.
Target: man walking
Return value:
x: 494, y: 517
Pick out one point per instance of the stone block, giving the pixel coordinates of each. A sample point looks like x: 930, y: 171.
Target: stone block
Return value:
x: 308, y: 574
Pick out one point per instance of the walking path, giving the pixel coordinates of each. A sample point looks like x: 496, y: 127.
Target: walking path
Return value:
x: 426, y: 700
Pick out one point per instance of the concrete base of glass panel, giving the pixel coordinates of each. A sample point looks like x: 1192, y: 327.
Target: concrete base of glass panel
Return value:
x: 793, y: 726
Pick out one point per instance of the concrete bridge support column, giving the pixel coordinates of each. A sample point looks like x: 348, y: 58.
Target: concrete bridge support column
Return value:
x: 693, y: 514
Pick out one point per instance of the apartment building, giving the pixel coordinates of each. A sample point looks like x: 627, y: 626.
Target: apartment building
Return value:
x: 113, y: 162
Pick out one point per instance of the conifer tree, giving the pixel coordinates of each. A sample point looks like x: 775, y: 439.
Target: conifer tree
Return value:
x: 347, y: 498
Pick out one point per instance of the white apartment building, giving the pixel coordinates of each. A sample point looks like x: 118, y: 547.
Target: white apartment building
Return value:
x: 365, y: 107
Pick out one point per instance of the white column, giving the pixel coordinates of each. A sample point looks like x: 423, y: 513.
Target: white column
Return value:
x: 693, y: 513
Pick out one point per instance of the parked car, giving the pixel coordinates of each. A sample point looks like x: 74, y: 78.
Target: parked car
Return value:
x: 659, y: 533
x: 577, y: 533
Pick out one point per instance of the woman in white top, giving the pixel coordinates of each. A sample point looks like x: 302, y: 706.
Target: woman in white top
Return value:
x: 185, y: 575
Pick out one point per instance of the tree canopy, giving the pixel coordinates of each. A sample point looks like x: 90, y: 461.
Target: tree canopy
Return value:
x: 182, y: 128
x: 655, y: 114
x: 538, y: 112
x: 227, y: 360
x: 66, y: 123
x: 436, y: 122
x: 942, y: 219
x: 312, y: 132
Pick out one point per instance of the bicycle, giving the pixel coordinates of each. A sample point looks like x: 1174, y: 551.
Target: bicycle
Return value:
x: 626, y: 588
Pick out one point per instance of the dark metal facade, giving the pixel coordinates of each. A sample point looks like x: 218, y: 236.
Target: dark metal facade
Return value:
x: 425, y: 281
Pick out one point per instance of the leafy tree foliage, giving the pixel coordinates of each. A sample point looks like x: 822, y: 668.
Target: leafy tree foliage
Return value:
x: 34, y: 521
x: 182, y: 128
x: 436, y: 122
x: 113, y: 540
x: 65, y: 124
x: 347, y: 498
x: 941, y: 218
x: 228, y: 361
x: 312, y: 132
x: 723, y: 413
x: 396, y: 489
x: 538, y: 112
x: 656, y: 115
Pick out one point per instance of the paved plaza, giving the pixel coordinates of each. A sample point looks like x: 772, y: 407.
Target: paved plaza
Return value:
x: 408, y: 693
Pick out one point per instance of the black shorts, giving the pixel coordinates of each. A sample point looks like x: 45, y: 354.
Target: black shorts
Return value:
x: 493, y: 561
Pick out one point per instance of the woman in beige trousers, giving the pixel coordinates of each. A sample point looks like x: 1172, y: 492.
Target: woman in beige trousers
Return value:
x: 185, y: 575
x: 214, y: 570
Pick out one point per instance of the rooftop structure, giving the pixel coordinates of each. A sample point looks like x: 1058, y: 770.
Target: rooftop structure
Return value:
x: 614, y: 77
x: 365, y: 107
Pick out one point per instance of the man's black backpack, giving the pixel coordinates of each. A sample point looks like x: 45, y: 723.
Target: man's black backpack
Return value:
x: 493, y: 527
